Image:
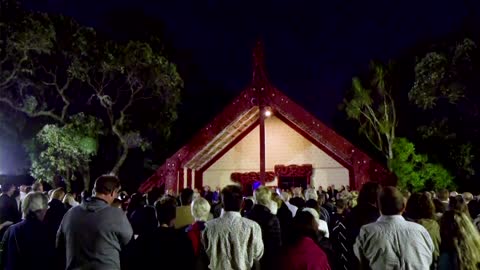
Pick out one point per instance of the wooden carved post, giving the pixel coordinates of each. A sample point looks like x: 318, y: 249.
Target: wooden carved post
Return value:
x: 262, y: 145
x: 171, y: 175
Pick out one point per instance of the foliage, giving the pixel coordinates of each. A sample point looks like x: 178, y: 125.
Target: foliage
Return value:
x: 445, y: 93
x: 440, y: 75
x: 414, y: 171
x: 374, y: 110
x: 53, y: 69
x: 129, y: 76
x: 65, y: 150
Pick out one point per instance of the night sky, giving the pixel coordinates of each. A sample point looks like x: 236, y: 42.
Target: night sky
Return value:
x: 313, y: 48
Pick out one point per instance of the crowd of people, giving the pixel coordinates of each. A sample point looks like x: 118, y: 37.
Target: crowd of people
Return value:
x: 297, y: 229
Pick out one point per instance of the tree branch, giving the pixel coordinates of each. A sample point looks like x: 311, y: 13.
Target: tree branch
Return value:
x: 50, y: 114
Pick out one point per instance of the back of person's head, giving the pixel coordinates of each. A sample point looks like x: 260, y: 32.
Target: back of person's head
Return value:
x: 153, y: 195
x: 106, y: 185
x: 37, y: 187
x: 7, y: 187
x: 420, y: 206
x: 297, y: 192
x: 443, y: 194
x: 390, y: 201
x: 69, y: 199
x: 439, y: 206
x: 459, y: 235
x: 311, y: 194
x: 35, y: 204
x: 277, y: 198
x: 322, y: 198
x: 304, y: 224
x: 263, y: 196
x: 232, y: 198
x: 200, y: 209
x: 369, y: 193
x: 341, y: 204
x: 313, y: 204
x: 467, y: 196
x: 166, y: 211
x: 57, y: 194
x: 248, y: 204
x: 458, y: 203
x: 286, y: 196
x: 186, y: 196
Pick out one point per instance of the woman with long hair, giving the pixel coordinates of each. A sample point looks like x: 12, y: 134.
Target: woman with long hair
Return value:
x: 460, y: 247
x: 420, y: 209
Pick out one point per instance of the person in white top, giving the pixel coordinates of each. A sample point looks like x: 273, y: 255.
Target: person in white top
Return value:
x: 232, y: 241
x: 392, y: 242
x: 286, y: 198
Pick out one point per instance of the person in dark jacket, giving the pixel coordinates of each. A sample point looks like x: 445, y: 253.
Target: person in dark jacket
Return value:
x: 8, y: 205
x: 165, y: 247
x: 94, y: 233
x: 26, y: 245
x: 284, y: 215
x: 144, y: 219
x: 364, y: 213
x: 56, y: 211
x: 270, y: 225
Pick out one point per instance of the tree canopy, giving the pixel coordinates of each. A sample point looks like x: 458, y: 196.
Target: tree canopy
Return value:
x: 81, y: 92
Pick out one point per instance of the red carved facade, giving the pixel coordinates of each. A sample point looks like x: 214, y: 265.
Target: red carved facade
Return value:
x: 251, y: 177
x: 362, y: 168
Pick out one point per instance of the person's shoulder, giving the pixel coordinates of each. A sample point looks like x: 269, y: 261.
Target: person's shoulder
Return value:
x: 413, y: 226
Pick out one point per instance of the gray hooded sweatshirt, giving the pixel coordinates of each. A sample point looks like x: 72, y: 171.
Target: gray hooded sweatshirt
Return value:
x: 92, y: 235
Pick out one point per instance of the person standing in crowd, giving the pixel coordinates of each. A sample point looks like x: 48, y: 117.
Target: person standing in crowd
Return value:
x: 284, y: 216
x: 37, y: 187
x: 165, y: 247
x: 144, y: 219
x: 56, y: 211
x: 69, y: 201
x: 94, y: 233
x: 9, y: 212
x: 243, y: 236
x: 339, y: 235
x: 216, y: 195
x: 270, y: 225
x: 184, y: 216
x: 207, y: 194
x: 420, y: 209
x: 200, y: 209
x: 460, y: 246
x: 443, y: 197
x: 286, y: 199
x: 297, y: 198
x: 392, y: 242
x: 301, y: 250
x: 26, y: 245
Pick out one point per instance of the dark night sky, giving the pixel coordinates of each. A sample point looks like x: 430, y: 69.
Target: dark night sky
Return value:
x: 313, y: 48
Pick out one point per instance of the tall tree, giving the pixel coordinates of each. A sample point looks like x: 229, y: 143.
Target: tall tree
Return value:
x: 374, y: 108
x: 128, y: 76
x: 445, y: 95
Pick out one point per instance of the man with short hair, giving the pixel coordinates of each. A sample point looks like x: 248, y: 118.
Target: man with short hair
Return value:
x: 94, y: 233
x: 392, y: 242
x: 242, y: 236
x: 443, y: 196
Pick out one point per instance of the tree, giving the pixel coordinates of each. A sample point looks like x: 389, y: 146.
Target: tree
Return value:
x: 129, y: 76
x: 66, y: 150
x: 445, y: 95
x: 440, y: 76
x: 374, y: 110
x: 414, y: 171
